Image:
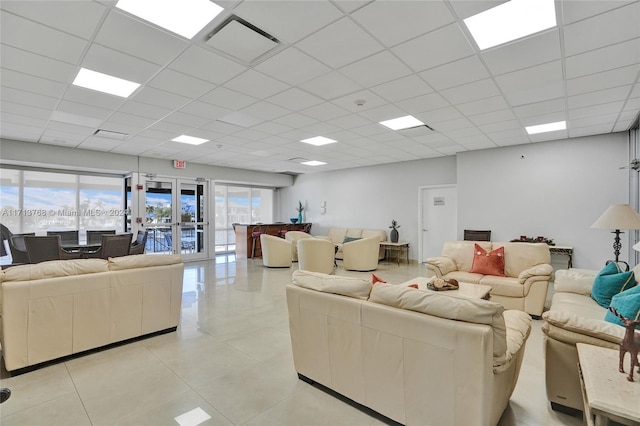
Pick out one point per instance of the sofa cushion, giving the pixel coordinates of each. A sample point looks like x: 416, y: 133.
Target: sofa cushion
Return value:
x: 337, y: 234
x: 503, y: 286
x: 574, y: 280
x: 369, y: 233
x: 142, y: 261
x: 462, y: 252
x: 626, y: 304
x: 609, y: 282
x: 448, y: 306
x: 346, y: 286
x: 521, y: 256
x: 349, y: 239
x: 54, y: 268
x: 464, y: 277
x: 488, y: 262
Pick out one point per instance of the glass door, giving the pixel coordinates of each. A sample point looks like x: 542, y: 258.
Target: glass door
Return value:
x: 176, y: 217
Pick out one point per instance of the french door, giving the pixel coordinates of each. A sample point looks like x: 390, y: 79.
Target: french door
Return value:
x: 176, y: 217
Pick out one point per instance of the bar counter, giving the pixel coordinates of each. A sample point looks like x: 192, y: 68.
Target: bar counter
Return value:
x: 244, y: 239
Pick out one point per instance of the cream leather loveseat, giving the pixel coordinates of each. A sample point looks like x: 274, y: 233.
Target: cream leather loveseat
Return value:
x: 415, y: 356
x: 526, y: 266
x: 64, y: 307
x: 574, y: 317
x: 339, y: 236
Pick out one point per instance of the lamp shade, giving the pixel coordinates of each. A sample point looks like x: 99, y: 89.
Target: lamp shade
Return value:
x: 618, y: 216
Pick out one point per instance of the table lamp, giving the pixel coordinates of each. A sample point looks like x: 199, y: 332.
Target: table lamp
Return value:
x: 617, y: 217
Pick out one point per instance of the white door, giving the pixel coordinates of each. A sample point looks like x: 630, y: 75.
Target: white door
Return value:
x: 438, y: 218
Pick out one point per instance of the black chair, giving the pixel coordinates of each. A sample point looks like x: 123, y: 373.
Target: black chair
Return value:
x: 66, y: 237
x: 138, y: 246
x: 112, y: 246
x: 18, y: 248
x: 473, y: 235
x: 44, y: 248
x: 95, y: 236
x: 5, y: 235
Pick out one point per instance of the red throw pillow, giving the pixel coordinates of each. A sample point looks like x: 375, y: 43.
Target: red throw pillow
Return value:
x: 376, y: 279
x: 491, y: 263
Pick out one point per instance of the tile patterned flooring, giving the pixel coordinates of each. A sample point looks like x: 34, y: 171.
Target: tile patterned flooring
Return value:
x: 229, y: 362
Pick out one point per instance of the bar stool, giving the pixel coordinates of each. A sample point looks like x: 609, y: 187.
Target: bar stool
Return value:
x: 256, y: 231
x: 282, y: 231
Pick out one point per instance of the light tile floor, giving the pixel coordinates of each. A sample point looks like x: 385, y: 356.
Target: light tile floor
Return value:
x: 229, y: 360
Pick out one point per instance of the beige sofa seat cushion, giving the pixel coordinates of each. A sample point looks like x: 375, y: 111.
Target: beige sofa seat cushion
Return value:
x: 504, y: 286
x: 446, y: 306
x: 54, y: 268
x: 464, y: 277
x: 142, y: 261
x: 346, y: 286
x: 462, y: 252
x: 521, y: 256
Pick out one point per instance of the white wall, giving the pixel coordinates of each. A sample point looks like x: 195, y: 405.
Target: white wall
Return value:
x: 554, y: 189
x: 367, y: 197
x: 557, y: 190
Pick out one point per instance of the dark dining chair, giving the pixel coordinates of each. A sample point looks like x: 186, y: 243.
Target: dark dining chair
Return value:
x: 43, y: 248
x: 95, y: 236
x: 66, y: 237
x: 138, y: 246
x: 474, y: 235
x: 18, y: 248
x: 112, y: 246
x: 5, y: 235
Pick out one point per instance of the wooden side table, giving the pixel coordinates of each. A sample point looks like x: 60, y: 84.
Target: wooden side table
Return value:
x: 607, y: 393
x: 398, y: 248
x: 565, y: 251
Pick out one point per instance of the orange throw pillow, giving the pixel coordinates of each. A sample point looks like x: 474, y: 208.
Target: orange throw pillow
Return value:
x: 491, y: 263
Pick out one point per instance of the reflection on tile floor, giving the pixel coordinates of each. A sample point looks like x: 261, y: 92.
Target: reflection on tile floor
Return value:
x: 229, y: 363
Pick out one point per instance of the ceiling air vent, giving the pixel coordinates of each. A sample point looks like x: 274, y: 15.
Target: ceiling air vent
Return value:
x: 109, y: 134
x: 243, y: 41
x: 417, y: 131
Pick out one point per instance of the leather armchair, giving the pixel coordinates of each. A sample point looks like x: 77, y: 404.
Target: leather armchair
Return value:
x: 316, y: 255
x: 361, y: 255
x: 276, y: 252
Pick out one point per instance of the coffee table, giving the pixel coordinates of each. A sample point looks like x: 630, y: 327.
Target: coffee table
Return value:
x: 474, y: 291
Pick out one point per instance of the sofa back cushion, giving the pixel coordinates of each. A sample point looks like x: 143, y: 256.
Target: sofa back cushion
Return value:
x: 370, y: 233
x: 142, y: 261
x: 54, y: 269
x: 462, y: 252
x: 521, y: 256
x: 346, y: 286
x: 447, y: 306
x: 337, y: 234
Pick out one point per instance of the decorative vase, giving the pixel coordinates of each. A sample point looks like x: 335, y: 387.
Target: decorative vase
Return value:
x: 299, y: 217
x: 394, y: 235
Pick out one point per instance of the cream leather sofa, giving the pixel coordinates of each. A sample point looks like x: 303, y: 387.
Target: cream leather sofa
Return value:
x: 574, y: 317
x: 64, y: 307
x: 415, y: 356
x: 338, y: 236
x: 527, y: 270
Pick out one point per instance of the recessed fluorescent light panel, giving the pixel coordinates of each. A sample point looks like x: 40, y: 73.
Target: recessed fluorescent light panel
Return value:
x: 406, y: 122
x: 549, y: 127
x: 183, y: 17
x: 318, y: 141
x: 313, y: 163
x: 190, y: 140
x: 104, y: 83
x: 510, y: 21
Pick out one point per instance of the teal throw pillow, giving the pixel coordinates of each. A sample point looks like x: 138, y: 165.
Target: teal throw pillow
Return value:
x: 627, y: 304
x: 609, y: 282
x: 349, y: 239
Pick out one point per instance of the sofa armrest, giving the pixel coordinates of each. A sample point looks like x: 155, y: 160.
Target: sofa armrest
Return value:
x: 543, y: 270
x: 571, y: 328
x: 518, y: 329
x: 440, y: 265
x: 577, y: 281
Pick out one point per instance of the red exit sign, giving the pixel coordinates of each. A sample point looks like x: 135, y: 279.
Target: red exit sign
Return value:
x: 179, y: 164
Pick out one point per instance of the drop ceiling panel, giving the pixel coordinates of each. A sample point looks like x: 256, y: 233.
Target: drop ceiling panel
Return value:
x: 607, y: 58
x: 266, y: 110
x: 580, y: 9
x: 377, y: 69
x: 471, y: 91
x: 253, y: 83
x: 331, y: 86
x: 481, y: 106
x: 292, y: 66
x: 241, y: 42
x: 423, y: 103
x: 339, y: 44
x: 203, y: 109
x: 325, y: 111
x: 144, y: 110
x: 229, y: 99
x: 528, y: 52
x: 467, y: 8
x: 455, y: 73
x: 206, y: 65
x: 349, y: 102
x: 26, y: 98
x: 93, y: 97
x: 31, y: 84
x: 151, y: 96
x: 295, y: 99
x: 36, y: 65
x: 539, y: 108
x: 402, y: 88
x: 118, y: 64
x: 181, y: 84
x: 534, y: 84
x: 241, y: 119
x: 599, y: 97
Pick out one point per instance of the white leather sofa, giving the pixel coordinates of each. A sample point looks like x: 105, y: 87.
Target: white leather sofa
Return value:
x: 64, y: 307
x: 276, y: 251
x: 415, y: 356
x: 361, y: 255
x: 339, y: 235
x: 527, y: 269
x: 574, y: 317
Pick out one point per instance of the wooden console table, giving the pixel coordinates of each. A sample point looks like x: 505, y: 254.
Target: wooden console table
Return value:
x: 244, y: 240
x: 398, y: 248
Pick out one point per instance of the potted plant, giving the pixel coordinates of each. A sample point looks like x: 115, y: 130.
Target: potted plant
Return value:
x: 300, y: 209
x: 394, y: 231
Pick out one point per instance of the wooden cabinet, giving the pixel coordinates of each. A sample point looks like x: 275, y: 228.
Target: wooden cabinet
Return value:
x: 245, y: 239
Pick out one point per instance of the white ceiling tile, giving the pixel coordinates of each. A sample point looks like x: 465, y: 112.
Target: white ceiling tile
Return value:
x: 60, y: 142
x: 339, y: 44
x: 467, y: 8
x: 229, y: 99
x: 500, y: 126
x: 455, y: 73
x: 20, y: 132
x: 349, y: 121
x: 518, y: 134
x: 471, y: 91
x: 370, y: 129
x: 402, y: 88
x: 188, y: 120
x: 24, y: 110
x: 100, y: 144
x: 423, y: 103
x: 575, y: 10
x: 255, y: 84
x: 161, y: 98
x: 538, y: 108
x: 265, y: 111
x: 510, y: 141
x: 586, y: 131
x: 349, y: 102
x: 203, y: 109
x: 295, y: 120
x: 551, y: 117
x: 36, y: 65
x: 151, y: 44
x: 603, y: 80
x: 26, y: 98
x: 349, y: 6
x: 79, y: 18
x: 595, y: 32
x: 134, y: 123
x: 533, y: 84
x: 382, y: 113
x: 206, y: 65
x: 24, y: 34
x: 181, y: 84
x: 93, y: 97
x: 436, y: 48
x: 294, y: 99
x: 292, y: 66
x: 394, y: 22
x: 377, y: 69
x: 494, y: 103
x: 325, y: 111
x: 83, y: 110
x: 76, y: 118
x: 605, y: 119
x: 144, y: 110
x: 272, y: 128
x: 288, y: 20
x: 492, y: 117
x: 7, y: 117
x: 601, y: 96
x: 530, y: 51
x: 330, y: 86
x: 607, y: 58
x: 31, y: 84
x: 118, y: 64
